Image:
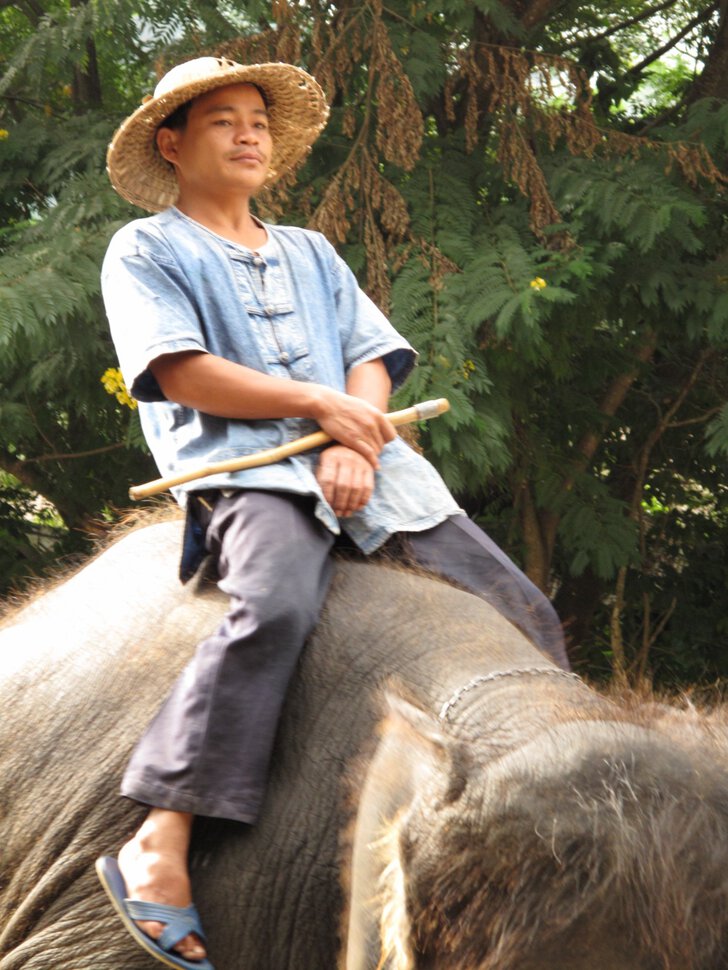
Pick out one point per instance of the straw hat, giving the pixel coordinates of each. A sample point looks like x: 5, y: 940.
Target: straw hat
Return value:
x: 297, y: 112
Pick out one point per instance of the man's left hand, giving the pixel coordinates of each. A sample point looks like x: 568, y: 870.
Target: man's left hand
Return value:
x: 346, y: 479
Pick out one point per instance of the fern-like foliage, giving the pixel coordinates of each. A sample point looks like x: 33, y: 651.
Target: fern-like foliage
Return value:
x: 717, y: 434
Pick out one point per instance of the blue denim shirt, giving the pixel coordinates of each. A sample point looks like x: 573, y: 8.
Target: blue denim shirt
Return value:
x: 291, y: 309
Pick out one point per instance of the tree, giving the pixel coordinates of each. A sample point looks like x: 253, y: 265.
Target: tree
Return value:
x: 534, y: 191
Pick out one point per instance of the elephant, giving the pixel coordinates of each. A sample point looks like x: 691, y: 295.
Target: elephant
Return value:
x: 441, y: 795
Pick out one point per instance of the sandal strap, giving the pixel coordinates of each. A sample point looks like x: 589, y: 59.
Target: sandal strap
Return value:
x: 179, y: 921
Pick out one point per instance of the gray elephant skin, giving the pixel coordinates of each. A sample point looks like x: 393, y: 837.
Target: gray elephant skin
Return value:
x: 418, y: 815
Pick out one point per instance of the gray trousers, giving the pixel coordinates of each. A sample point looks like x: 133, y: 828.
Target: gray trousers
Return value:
x: 208, y: 748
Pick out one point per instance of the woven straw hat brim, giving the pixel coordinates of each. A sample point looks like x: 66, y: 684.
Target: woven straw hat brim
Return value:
x: 297, y: 113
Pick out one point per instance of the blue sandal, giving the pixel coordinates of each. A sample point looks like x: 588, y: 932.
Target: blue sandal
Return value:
x: 179, y: 921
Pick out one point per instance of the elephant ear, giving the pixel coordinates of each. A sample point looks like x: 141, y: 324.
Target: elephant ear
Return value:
x: 415, y: 755
x: 436, y: 756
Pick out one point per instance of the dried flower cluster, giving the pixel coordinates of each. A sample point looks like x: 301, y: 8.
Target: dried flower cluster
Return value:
x: 384, y: 123
x: 525, y: 96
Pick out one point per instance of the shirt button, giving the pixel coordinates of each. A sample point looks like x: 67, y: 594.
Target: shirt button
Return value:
x: 284, y: 358
x: 269, y: 310
x: 258, y: 260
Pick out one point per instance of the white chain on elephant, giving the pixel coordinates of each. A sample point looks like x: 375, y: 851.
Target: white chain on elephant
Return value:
x: 497, y: 675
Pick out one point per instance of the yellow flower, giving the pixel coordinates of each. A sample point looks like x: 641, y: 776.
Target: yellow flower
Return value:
x: 114, y: 384
x: 4, y: 133
x: 538, y: 283
x: 466, y: 368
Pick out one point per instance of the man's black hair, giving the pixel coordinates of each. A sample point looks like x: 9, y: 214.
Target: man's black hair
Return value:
x: 178, y: 118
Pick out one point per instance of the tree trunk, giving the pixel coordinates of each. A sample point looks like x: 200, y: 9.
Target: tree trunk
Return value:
x: 86, y: 79
x: 537, y: 559
x: 713, y: 81
x: 537, y: 12
x: 576, y: 603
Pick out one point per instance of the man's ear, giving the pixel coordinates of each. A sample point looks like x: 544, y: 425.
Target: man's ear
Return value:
x: 167, y: 144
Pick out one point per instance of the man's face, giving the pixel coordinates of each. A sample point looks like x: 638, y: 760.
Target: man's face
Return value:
x: 225, y: 145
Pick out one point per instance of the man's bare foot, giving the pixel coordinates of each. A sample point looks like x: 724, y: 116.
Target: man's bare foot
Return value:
x: 154, y: 866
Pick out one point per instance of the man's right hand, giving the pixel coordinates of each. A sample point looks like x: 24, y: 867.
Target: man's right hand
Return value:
x: 355, y: 423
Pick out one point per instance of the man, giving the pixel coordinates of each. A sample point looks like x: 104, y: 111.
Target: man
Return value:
x: 234, y: 336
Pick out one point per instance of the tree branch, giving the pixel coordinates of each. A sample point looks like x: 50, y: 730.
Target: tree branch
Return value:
x: 701, y: 419
x: 19, y: 100
x: 36, y: 423
x: 660, y: 428
x: 64, y: 456
x: 649, y: 635
x: 29, y: 8
x: 611, y: 402
x: 657, y: 54
x: 587, y: 447
x: 618, y: 656
x: 639, y: 18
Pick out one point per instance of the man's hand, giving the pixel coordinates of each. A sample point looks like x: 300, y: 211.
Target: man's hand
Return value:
x: 356, y: 419
x: 357, y: 424
x: 346, y: 479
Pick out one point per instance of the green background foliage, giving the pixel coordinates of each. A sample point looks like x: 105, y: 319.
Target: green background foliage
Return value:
x: 533, y: 192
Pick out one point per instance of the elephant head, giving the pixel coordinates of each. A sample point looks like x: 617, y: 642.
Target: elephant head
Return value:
x: 596, y: 837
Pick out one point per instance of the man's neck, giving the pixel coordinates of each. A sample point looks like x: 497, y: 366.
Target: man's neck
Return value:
x: 236, y: 224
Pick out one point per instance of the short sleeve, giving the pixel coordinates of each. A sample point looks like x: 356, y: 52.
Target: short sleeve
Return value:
x: 149, y: 309
x: 365, y: 331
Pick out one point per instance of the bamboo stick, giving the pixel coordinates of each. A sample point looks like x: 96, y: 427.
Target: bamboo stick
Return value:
x: 418, y: 412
